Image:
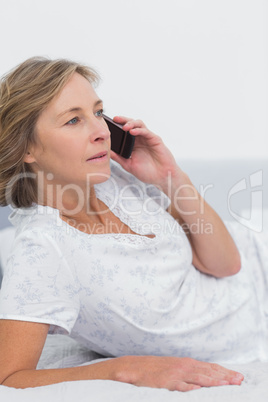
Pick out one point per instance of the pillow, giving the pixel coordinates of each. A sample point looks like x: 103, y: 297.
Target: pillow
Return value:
x: 6, y: 240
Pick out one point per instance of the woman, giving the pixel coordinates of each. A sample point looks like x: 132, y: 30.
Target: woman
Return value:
x: 102, y: 254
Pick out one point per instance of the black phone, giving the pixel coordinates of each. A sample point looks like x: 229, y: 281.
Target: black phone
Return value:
x: 122, y: 142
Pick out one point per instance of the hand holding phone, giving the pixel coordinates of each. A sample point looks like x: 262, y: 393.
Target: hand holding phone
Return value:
x: 122, y: 142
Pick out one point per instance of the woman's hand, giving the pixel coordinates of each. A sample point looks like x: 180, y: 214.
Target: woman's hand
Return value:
x: 151, y: 161
x: 174, y: 373
x: 214, y: 251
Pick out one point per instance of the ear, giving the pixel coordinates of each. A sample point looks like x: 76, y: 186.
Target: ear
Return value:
x: 28, y: 157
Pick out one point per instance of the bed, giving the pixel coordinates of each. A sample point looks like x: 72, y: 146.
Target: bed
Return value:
x: 61, y: 351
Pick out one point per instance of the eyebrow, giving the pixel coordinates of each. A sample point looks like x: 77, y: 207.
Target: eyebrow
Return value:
x: 77, y: 109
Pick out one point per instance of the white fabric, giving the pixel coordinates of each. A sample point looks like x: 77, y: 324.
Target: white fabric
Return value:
x: 6, y: 240
x: 128, y: 294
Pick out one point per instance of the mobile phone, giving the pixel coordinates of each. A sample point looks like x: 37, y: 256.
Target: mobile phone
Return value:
x: 122, y: 142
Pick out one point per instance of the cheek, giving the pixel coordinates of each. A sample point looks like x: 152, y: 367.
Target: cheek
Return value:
x: 59, y: 148
x: 67, y: 157
x: 56, y: 150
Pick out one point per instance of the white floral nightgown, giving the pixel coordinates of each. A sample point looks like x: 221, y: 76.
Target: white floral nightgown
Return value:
x: 129, y: 294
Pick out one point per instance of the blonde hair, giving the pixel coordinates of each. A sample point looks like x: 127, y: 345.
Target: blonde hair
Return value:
x: 24, y: 93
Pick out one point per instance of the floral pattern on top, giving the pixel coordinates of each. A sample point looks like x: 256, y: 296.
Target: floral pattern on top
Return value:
x: 122, y: 294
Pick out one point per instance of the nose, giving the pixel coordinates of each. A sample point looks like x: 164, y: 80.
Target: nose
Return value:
x: 99, y: 130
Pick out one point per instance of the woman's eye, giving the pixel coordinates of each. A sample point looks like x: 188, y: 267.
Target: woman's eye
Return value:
x: 99, y: 113
x: 73, y: 121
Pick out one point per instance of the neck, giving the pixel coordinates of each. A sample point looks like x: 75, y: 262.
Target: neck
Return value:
x: 71, y: 201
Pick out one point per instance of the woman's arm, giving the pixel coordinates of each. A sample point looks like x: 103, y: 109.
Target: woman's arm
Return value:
x: 214, y: 251
x: 21, y: 344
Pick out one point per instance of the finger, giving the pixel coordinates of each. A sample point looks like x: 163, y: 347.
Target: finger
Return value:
x: 213, y: 381
x: 132, y: 124
x: 210, y: 374
x: 233, y: 376
x: 122, y: 119
x: 207, y: 381
x: 128, y: 122
x: 219, y: 368
x: 214, y: 369
x: 135, y: 127
x: 145, y: 137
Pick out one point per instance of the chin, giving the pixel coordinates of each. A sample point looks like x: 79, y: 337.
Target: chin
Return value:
x: 99, y: 176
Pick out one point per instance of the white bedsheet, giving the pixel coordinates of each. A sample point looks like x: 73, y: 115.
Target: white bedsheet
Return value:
x: 60, y: 351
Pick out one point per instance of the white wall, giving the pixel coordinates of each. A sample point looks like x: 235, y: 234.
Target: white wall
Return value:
x: 194, y: 70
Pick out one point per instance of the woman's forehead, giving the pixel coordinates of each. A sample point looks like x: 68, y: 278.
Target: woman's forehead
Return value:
x: 78, y: 93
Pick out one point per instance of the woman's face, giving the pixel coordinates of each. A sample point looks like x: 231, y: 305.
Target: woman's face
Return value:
x: 73, y: 140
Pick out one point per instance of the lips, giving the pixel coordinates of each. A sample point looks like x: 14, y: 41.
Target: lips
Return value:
x: 98, y: 156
